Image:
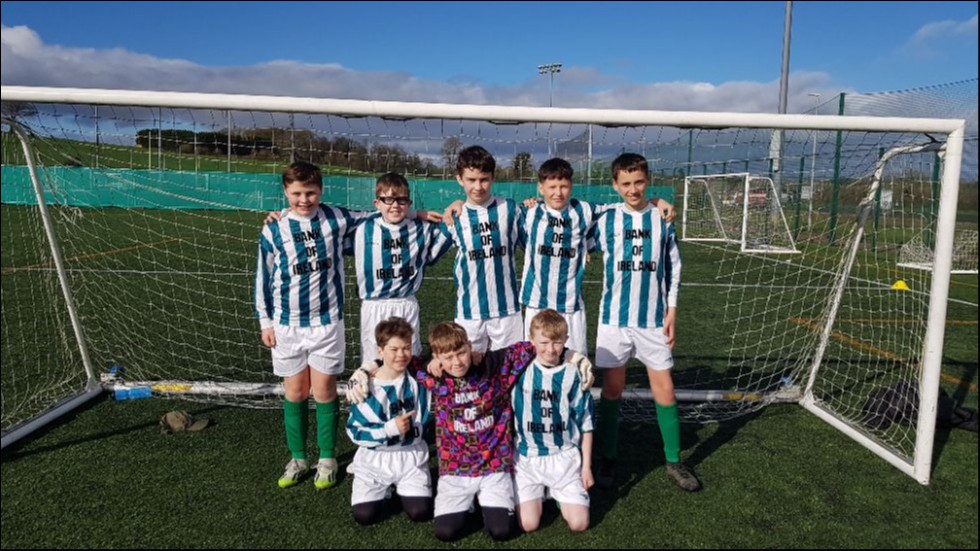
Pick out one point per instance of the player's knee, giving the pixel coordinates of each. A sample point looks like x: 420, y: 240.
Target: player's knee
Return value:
x: 499, y: 532
x: 530, y: 524
x: 612, y: 391
x: 449, y: 527
x: 366, y: 513
x: 297, y: 394
x: 578, y: 523
x: 418, y: 509
x: 325, y: 393
x: 498, y: 523
x: 663, y: 393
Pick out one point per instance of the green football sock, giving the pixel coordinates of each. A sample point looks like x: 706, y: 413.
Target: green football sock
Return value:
x: 670, y: 430
x: 296, y: 419
x: 327, y: 416
x: 609, y: 427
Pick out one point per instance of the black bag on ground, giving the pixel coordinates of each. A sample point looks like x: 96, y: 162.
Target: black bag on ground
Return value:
x: 899, y: 403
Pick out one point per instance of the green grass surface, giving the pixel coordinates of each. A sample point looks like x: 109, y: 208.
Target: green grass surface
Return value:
x: 107, y: 477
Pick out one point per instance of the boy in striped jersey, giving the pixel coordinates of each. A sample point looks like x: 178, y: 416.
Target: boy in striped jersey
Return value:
x: 553, y: 436
x: 555, y: 233
x: 387, y: 427
x: 486, y: 232
x: 638, y: 311
x: 299, y: 299
x: 391, y: 253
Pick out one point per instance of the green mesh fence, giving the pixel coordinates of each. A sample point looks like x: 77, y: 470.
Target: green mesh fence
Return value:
x: 173, y: 190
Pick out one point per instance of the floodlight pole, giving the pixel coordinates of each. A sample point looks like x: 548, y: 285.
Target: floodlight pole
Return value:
x: 550, y: 69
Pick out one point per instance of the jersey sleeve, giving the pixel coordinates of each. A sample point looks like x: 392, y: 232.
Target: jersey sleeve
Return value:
x: 507, y: 364
x: 438, y: 242
x: 672, y: 266
x: 581, y: 406
x: 368, y: 427
x: 263, y: 280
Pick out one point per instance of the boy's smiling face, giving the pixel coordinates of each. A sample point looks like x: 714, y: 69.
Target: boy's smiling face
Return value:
x: 304, y: 198
x: 632, y: 187
x: 393, y: 204
x: 396, y: 353
x: 548, y: 349
x: 456, y: 363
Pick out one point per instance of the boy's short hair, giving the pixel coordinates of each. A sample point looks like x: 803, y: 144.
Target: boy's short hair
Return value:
x: 477, y: 158
x: 390, y: 182
x: 393, y: 328
x: 555, y: 169
x: 304, y: 173
x: 629, y: 162
x: 447, y: 337
x: 549, y: 324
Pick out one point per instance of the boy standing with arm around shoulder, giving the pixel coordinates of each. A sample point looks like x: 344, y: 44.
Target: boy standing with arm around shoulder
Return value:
x: 486, y: 233
x: 638, y: 311
x: 299, y: 299
x: 391, y: 252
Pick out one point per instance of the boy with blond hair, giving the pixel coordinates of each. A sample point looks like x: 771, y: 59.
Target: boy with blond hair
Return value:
x: 553, y: 436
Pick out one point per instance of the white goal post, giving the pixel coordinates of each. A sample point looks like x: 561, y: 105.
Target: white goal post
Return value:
x: 918, y: 253
x: 736, y: 208
x: 130, y: 221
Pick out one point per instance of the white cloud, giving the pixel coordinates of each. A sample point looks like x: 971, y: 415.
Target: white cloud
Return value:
x: 932, y: 37
x: 28, y: 60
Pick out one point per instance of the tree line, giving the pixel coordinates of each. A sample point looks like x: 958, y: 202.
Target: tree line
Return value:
x: 285, y: 145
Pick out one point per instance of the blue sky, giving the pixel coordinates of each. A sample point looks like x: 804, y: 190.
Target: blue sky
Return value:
x: 662, y: 55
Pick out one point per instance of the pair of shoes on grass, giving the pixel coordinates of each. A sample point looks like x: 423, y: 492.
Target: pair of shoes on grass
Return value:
x: 326, y: 473
x: 683, y: 476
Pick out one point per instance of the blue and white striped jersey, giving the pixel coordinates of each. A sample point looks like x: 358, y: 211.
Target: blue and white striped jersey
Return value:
x: 554, y: 260
x: 486, y: 280
x: 299, y: 280
x: 641, y: 266
x: 372, y: 422
x: 551, y: 412
x: 391, y: 258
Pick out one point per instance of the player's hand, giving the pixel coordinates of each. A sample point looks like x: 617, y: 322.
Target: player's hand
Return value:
x: 454, y: 209
x: 428, y: 216
x: 584, y: 367
x: 272, y: 217
x: 531, y: 202
x: 404, y: 422
x: 670, y: 327
x: 358, y: 387
x: 667, y: 209
x: 588, y: 480
x: 435, y: 368
x: 269, y: 337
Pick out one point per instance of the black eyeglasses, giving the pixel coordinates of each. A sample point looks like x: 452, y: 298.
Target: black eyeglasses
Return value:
x: 402, y: 201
